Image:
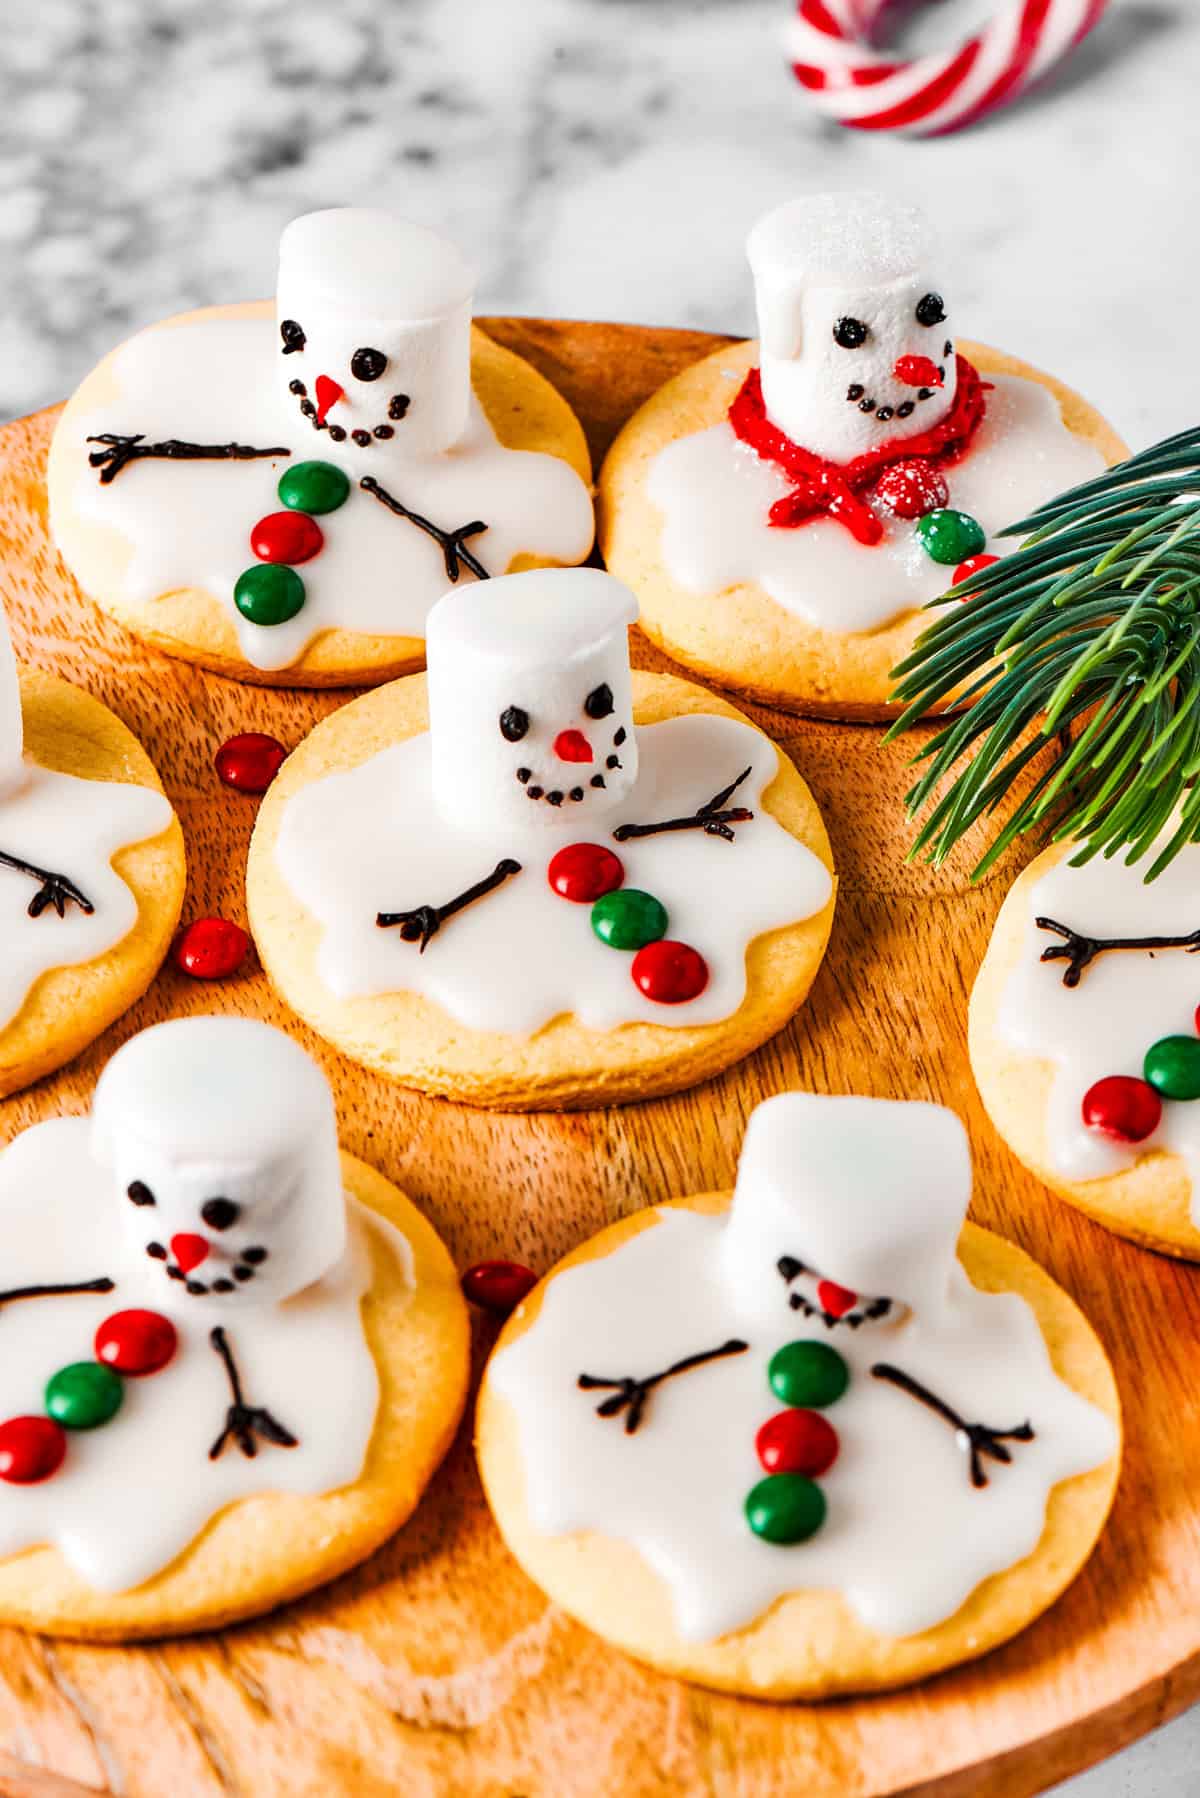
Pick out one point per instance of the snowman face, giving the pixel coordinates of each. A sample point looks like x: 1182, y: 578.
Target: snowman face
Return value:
x: 220, y: 1142
x: 521, y: 742
x: 374, y: 345
x: 576, y: 753
x: 814, y: 1296
x: 213, y: 1233
x: 868, y: 364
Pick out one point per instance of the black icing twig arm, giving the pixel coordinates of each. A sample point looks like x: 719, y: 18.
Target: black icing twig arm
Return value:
x: 56, y: 1291
x: 424, y: 921
x: 714, y: 818
x: 1078, y: 951
x: 976, y: 1438
x: 452, y: 543
x: 630, y: 1395
x: 118, y: 451
x: 244, y: 1423
x: 54, y: 889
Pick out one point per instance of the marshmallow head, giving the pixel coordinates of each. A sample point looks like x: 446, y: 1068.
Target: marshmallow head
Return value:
x: 374, y: 348
x: 846, y: 1209
x: 221, y: 1141
x: 530, y: 703
x: 12, y: 735
x: 856, y: 347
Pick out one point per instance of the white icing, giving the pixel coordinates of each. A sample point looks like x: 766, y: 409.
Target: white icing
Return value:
x: 906, y: 1538
x: 1125, y: 1001
x: 133, y: 1493
x: 71, y: 827
x: 542, y: 642
x: 371, y: 839
x: 715, y: 495
x: 198, y: 1108
x: 829, y: 257
x: 213, y: 380
x: 357, y: 277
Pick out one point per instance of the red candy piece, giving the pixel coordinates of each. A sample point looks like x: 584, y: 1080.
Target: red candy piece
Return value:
x: 1122, y: 1107
x: 498, y: 1286
x: 572, y: 746
x: 211, y: 949
x: 797, y: 1442
x: 249, y: 763
x: 135, y: 1342
x: 971, y: 566
x: 837, y: 1300
x: 286, y: 537
x: 585, y: 872
x: 31, y: 1449
x: 669, y: 973
x: 910, y: 489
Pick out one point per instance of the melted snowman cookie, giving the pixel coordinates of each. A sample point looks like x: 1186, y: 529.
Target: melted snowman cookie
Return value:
x: 569, y: 888
x: 789, y: 1443
x: 283, y: 494
x: 1085, y: 1041
x: 233, y: 1359
x: 784, y: 508
x: 91, y: 871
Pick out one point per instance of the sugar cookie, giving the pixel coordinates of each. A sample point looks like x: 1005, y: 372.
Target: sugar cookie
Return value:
x: 783, y: 508
x: 281, y: 493
x: 1087, y: 1052
x: 232, y: 1361
x: 91, y: 870
x: 791, y: 1442
x: 575, y: 887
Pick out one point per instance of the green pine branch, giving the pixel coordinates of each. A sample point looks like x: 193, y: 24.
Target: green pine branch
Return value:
x: 1082, y: 647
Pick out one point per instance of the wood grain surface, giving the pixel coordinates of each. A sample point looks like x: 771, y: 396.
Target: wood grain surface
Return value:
x: 437, y: 1668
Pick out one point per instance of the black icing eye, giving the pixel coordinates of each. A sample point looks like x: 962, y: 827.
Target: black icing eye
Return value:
x: 398, y: 405
x: 293, y: 336
x: 367, y: 365
x: 851, y: 333
x: 220, y: 1214
x: 599, y: 702
x: 513, y: 723
x: 140, y: 1193
x: 931, y: 310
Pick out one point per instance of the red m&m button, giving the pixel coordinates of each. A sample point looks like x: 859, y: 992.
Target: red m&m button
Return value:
x: 31, y: 1449
x: 286, y: 537
x: 584, y: 872
x: 670, y: 973
x: 135, y: 1342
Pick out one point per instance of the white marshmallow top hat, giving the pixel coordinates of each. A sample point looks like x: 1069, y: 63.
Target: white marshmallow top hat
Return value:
x: 12, y: 730
x: 845, y: 286
x: 202, y: 1108
x: 530, y: 696
x: 868, y: 1193
x: 379, y: 308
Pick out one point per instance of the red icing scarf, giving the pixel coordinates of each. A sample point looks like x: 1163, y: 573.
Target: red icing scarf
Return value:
x: 831, y: 489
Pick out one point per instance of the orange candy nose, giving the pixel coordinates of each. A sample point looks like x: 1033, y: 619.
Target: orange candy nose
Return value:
x: 328, y: 394
x: 837, y: 1300
x: 189, y: 1251
x: 572, y: 746
x: 914, y: 371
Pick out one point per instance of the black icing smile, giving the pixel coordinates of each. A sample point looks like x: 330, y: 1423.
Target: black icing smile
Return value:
x: 541, y: 787
x: 865, y: 1310
x: 243, y: 1269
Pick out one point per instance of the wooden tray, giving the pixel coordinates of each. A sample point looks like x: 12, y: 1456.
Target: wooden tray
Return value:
x: 437, y: 1668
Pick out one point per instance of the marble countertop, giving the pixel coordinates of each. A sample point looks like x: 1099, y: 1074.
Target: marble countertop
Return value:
x: 600, y: 158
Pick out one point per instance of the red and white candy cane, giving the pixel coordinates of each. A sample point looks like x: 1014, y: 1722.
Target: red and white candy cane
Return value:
x: 832, y: 56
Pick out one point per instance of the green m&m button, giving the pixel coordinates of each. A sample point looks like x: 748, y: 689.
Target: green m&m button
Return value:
x: 314, y: 487
x: 785, y: 1508
x: 269, y: 593
x: 629, y: 919
x: 810, y: 1374
x: 949, y: 536
x: 84, y: 1395
x: 1172, y: 1067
